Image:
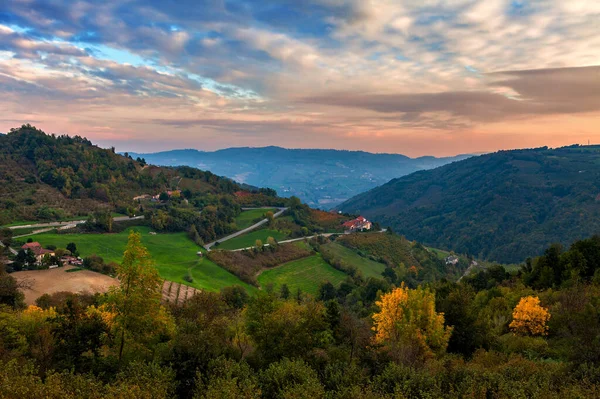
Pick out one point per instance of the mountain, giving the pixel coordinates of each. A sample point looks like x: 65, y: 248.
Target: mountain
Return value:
x: 320, y: 178
x: 503, y: 206
x: 52, y: 177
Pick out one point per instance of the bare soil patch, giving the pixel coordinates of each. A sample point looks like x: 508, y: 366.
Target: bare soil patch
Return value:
x: 55, y: 280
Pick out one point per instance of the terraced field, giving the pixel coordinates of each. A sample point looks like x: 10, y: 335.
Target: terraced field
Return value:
x: 177, y: 293
x: 367, y: 267
x: 248, y: 240
x: 306, y: 274
x: 174, y: 255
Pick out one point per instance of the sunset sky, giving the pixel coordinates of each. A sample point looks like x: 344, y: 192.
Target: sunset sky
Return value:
x: 417, y: 77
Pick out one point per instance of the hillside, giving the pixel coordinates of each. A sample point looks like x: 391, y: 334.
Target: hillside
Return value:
x: 503, y: 206
x: 48, y: 177
x: 320, y: 178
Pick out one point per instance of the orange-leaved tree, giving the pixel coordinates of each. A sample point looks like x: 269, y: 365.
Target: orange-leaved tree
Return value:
x: 529, y: 317
x: 407, y: 318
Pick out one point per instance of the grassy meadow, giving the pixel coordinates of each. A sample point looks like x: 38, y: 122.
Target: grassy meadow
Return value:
x: 367, y: 267
x: 173, y: 253
x: 306, y: 274
x: 247, y: 218
x: 249, y: 239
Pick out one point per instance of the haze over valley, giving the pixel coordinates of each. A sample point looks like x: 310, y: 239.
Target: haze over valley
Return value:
x: 320, y: 178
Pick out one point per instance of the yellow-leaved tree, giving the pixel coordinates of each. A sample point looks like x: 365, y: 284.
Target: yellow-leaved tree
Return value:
x: 407, y: 319
x: 133, y: 308
x: 529, y: 317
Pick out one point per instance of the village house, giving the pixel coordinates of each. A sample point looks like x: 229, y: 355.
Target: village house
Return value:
x: 174, y: 193
x: 142, y: 197
x: 452, y: 260
x: 37, y: 250
x: 71, y: 261
x: 358, y: 224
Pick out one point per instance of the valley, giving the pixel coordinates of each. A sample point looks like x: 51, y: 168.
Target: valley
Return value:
x: 199, y: 265
x: 320, y: 178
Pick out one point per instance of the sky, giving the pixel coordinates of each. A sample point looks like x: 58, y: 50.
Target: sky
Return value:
x: 417, y: 77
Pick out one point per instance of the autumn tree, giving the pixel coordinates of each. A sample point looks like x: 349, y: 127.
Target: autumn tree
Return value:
x: 140, y: 318
x: 407, y: 320
x: 529, y: 317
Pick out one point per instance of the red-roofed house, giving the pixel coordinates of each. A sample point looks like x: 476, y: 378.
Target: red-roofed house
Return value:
x: 37, y: 250
x: 360, y: 223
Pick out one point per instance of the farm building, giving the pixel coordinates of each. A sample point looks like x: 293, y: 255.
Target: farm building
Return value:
x: 358, y: 224
x: 37, y: 250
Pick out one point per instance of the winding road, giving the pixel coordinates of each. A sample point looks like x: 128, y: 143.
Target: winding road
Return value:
x: 244, y: 231
x: 69, y: 223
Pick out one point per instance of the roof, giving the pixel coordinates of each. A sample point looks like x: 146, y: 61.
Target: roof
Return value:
x: 32, y: 245
x: 358, y: 222
x: 36, y: 248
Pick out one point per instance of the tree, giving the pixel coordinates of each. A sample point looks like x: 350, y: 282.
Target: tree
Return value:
x: 163, y: 197
x: 6, y: 235
x: 271, y: 242
x: 24, y: 258
x: 235, y: 296
x: 140, y: 318
x: 270, y: 217
x: 407, y: 318
x: 529, y: 318
x: 326, y: 291
x: 284, y: 292
x: 72, y: 247
x: 10, y: 291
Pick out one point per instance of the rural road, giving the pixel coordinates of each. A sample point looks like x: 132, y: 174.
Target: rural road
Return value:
x: 69, y: 223
x: 12, y: 251
x: 241, y: 232
x: 294, y: 240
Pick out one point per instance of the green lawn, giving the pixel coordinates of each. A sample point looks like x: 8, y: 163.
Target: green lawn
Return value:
x: 307, y: 274
x: 249, y: 239
x: 246, y: 218
x: 173, y: 253
x: 367, y: 267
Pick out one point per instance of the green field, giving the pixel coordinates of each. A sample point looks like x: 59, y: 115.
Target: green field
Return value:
x: 249, y: 239
x: 306, y: 274
x: 367, y: 267
x: 247, y: 218
x: 174, y: 254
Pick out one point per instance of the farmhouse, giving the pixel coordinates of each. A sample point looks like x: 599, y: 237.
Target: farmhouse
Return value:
x: 358, y: 224
x: 171, y: 194
x: 142, y: 197
x: 37, y: 250
x: 452, y: 260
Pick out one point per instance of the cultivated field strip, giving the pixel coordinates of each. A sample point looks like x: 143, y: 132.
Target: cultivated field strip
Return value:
x: 177, y: 293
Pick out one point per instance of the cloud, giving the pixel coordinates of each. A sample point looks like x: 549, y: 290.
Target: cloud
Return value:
x: 539, y: 92
x: 342, y: 68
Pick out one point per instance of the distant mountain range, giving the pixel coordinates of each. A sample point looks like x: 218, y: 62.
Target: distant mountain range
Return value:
x: 320, y: 178
x: 502, y: 206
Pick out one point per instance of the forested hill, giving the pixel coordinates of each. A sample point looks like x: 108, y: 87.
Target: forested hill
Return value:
x: 50, y: 177
x: 503, y: 206
x: 320, y: 178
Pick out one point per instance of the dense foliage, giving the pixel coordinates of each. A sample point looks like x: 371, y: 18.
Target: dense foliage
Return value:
x: 503, y: 206
x: 445, y: 340
x: 246, y: 264
x: 47, y: 177
x: 407, y: 261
